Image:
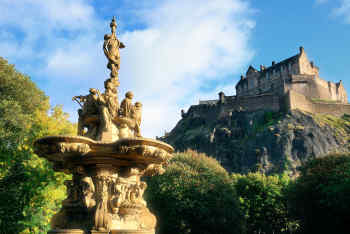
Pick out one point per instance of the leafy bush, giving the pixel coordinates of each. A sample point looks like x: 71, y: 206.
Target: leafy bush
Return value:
x: 320, y: 197
x: 30, y: 191
x: 194, y: 195
x: 263, y: 202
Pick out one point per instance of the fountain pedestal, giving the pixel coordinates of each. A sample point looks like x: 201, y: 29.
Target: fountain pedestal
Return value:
x: 105, y: 194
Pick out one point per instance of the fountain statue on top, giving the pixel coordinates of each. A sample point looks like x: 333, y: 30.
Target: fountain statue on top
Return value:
x: 101, y: 118
x: 106, y: 159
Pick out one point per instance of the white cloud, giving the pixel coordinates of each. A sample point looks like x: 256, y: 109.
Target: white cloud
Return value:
x: 63, y: 14
x: 183, y: 46
x: 40, y: 30
x: 343, y: 10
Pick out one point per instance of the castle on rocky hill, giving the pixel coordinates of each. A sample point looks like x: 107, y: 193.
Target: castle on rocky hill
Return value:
x: 293, y: 83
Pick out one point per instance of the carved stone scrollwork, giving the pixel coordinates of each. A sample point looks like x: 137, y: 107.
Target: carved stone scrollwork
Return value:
x: 103, y: 216
x: 88, y: 190
x: 154, y: 169
x: 73, y: 147
x: 109, y: 200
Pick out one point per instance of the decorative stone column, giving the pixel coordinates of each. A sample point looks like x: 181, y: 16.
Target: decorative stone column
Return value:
x: 105, y: 194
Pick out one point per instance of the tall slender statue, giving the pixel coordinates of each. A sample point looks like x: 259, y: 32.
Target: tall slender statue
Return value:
x: 111, y: 48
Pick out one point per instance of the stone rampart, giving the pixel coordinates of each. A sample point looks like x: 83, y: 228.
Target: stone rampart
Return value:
x: 213, y: 109
x: 296, y: 100
x: 314, y: 87
x: 208, y: 102
x: 306, y: 92
x: 257, y: 102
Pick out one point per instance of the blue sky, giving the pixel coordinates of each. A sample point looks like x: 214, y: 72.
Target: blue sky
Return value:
x: 177, y: 51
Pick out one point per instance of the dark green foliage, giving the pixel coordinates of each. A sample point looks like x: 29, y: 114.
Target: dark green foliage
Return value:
x: 194, y: 196
x: 320, y: 197
x: 269, y: 118
x: 263, y: 202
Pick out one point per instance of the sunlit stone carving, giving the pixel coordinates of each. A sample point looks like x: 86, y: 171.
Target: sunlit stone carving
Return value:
x: 107, y: 160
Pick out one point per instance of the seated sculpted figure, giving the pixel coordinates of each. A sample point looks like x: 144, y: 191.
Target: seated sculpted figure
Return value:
x: 130, y: 117
x: 126, y: 106
x: 107, y: 107
x: 136, y: 116
x: 89, y: 108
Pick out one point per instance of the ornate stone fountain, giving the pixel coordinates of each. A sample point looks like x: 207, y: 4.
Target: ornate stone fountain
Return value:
x: 106, y: 159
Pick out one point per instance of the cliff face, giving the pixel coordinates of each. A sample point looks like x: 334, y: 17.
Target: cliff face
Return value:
x: 263, y: 141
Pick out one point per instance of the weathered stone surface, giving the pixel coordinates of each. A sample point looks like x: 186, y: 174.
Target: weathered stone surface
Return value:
x: 106, y: 192
x: 251, y: 141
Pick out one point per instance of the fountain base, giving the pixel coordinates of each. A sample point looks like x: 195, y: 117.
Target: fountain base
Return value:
x: 105, y: 194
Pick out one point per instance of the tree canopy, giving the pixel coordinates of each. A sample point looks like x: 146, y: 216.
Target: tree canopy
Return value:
x: 194, y: 196
x: 320, y: 197
x: 263, y: 202
x: 30, y: 191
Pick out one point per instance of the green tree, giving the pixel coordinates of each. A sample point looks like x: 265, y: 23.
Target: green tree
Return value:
x: 30, y: 191
x: 320, y: 197
x: 263, y: 202
x: 194, y: 195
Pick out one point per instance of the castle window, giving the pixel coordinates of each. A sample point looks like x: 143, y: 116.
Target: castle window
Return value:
x: 289, y: 68
x: 267, y: 75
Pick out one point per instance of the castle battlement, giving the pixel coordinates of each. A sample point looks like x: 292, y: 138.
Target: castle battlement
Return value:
x: 293, y: 83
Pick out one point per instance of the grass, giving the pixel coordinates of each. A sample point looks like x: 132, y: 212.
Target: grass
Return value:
x: 324, y: 100
x: 340, y: 125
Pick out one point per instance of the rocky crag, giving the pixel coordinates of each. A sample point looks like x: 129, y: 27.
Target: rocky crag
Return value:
x: 270, y: 142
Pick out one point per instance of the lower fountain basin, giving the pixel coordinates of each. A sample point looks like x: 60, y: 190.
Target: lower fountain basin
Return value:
x: 67, y: 151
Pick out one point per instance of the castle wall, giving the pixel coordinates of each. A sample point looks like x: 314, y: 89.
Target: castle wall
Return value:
x: 314, y: 87
x: 293, y: 83
x: 208, y: 102
x: 331, y: 91
x: 326, y: 90
x: 296, y: 100
x: 303, y: 84
x: 295, y: 73
x: 268, y: 80
x: 259, y: 102
x: 208, y: 110
x: 269, y: 102
x: 342, y: 95
x: 337, y: 109
x: 271, y: 83
x: 305, y: 66
x: 204, y: 111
